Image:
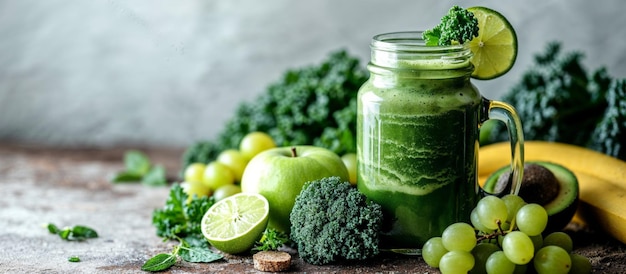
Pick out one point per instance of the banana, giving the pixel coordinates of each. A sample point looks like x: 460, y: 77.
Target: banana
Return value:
x: 601, y: 179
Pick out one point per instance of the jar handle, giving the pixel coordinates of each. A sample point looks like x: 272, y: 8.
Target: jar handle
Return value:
x: 506, y: 113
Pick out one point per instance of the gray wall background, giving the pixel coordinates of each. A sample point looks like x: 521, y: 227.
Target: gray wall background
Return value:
x: 171, y: 72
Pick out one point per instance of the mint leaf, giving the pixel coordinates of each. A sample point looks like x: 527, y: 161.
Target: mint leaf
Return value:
x: 80, y: 232
x: 136, y: 162
x: 126, y: 176
x: 53, y: 229
x: 198, y: 254
x: 76, y: 233
x: 155, y: 177
x: 159, y: 262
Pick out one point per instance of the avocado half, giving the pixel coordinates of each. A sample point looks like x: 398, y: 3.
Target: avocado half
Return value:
x: 560, y: 208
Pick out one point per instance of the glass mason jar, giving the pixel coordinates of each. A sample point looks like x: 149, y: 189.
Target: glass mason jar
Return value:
x: 417, y: 137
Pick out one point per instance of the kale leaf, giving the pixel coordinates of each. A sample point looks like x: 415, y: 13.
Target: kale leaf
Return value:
x: 559, y: 100
x: 312, y: 105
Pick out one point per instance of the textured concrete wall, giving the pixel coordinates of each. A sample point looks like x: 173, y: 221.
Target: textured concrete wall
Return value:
x: 170, y: 72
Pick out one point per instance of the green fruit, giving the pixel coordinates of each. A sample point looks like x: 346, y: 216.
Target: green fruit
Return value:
x: 254, y: 143
x: 234, y: 224
x: 349, y: 159
x: 279, y: 174
x: 195, y: 188
x: 234, y: 160
x: 194, y: 172
x: 549, y: 184
x: 217, y: 175
x: 226, y: 191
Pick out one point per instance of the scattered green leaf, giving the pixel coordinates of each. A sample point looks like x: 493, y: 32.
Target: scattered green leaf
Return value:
x: 160, y: 262
x: 126, y: 177
x: 155, y: 177
x: 136, y: 162
x: 73, y: 259
x: 198, y: 254
x: 76, y: 233
x: 192, y: 250
x: 138, y: 168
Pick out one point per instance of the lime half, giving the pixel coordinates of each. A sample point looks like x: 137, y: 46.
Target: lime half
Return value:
x: 235, y: 223
x: 495, y: 48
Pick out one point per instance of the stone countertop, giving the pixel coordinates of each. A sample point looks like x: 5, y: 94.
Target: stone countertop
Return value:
x: 67, y: 187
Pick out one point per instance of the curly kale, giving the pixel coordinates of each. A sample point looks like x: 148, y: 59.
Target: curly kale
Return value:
x: 313, y: 105
x: 181, y: 215
x: 559, y: 100
x: 331, y: 220
x: 458, y: 25
x: 609, y: 136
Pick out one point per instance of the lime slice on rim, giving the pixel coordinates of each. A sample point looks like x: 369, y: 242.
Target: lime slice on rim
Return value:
x: 235, y: 223
x: 495, y: 48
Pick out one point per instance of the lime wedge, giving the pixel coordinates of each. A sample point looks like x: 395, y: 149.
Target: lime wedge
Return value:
x: 235, y: 223
x: 495, y: 48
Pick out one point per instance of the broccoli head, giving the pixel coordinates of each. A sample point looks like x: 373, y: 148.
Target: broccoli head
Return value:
x: 331, y: 220
x: 458, y: 25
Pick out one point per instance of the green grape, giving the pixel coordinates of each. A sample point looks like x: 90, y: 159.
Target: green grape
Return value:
x: 560, y: 239
x: 537, y: 241
x: 518, y: 247
x: 456, y: 262
x: 531, y: 219
x: 432, y: 251
x: 552, y: 260
x: 476, y: 223
x: 491, y: 210
x: 498, y: 263
x: 513, y: 204
x: 481, y: 253
x: 459, y: 236
x: 580, y: 264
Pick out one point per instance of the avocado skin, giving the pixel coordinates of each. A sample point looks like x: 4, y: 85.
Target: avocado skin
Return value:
x: 563, y: 207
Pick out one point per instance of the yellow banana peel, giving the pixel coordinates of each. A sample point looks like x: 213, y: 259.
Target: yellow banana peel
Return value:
x: 601, y: 179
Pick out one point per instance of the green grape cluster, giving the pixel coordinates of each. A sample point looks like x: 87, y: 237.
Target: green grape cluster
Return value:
x: 506, y: 235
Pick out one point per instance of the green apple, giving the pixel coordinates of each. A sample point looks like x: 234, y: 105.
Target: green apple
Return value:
x: 279, y: 174
x: 349, y: 159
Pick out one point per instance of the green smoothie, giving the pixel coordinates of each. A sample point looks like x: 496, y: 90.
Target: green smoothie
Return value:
x: 417, y: 147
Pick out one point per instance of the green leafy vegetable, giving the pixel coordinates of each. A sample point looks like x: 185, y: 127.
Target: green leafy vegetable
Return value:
x: 271, y: 240
x: 609, y: 136
x: 73, y: 259
x: 160, y: 262
x: 195, y: 254
x: 558, y: 100
x: 179, y: 218
x: 155, y: 177
x: 314, y: 105
x: 331, y: 220
x: 459, y: 25
x: 138, y: 168
x: 193, y: 251
x: 76, y: 233
x: 136, y: 162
